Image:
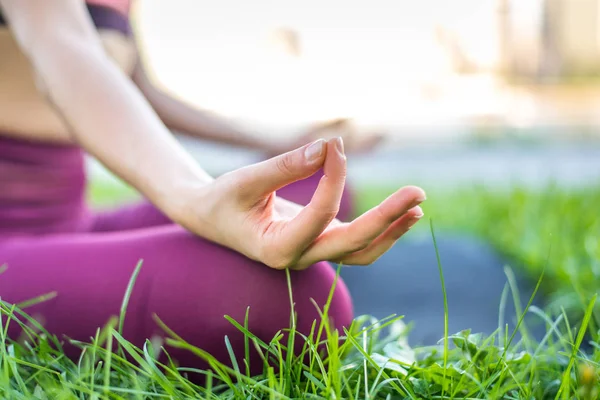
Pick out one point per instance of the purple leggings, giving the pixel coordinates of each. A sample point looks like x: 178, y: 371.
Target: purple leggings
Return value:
x: 188, y: 282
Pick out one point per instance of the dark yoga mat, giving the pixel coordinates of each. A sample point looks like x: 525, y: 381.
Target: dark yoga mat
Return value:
x: 405, y: 281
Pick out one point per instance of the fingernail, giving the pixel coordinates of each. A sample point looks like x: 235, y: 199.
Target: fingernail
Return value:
x: 339, y: 145
x: 416, y: 218
x: 418, y: 213
x: 315, y: 150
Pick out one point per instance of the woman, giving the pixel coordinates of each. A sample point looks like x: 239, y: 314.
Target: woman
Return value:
x: 210, y: 246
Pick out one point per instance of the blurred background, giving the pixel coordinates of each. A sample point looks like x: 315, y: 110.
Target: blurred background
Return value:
x: 493, y: 106
x: 427, y: 73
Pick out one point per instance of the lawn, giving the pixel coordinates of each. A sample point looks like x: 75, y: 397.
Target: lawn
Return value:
x: 551, y: 231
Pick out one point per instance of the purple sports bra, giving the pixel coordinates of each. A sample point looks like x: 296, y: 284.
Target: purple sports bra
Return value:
x: 104, y: 17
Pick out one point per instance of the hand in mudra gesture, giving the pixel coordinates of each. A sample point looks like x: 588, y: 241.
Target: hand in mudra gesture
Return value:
x: 240, y: 210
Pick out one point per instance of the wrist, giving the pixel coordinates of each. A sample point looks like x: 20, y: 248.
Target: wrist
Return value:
x: 185, y: 200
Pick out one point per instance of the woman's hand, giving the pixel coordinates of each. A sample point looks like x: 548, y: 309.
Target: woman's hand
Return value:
x: 355, y: 141
x: 241, y: 211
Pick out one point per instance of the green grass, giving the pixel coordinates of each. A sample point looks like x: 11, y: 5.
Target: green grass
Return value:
x: 552, y: 229
x: 367, y: 364
x: 363, y: 365
x: 110, y: 193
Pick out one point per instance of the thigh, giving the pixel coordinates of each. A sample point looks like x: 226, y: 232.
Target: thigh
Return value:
x: 186, y: 281
x: 127, y: 217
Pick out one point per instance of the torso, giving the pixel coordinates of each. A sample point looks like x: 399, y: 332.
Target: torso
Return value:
x: 42, y: 173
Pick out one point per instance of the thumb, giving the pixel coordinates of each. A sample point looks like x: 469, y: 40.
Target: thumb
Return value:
x: 270, y: 175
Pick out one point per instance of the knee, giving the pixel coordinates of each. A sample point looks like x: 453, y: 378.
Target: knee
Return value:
x: 207, y: 282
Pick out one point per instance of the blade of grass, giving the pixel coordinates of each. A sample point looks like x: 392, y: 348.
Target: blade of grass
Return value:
x: 445, y: 294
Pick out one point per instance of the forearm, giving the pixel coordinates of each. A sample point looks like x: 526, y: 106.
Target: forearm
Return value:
x: 203, y: 124
x: 184, y: 118
x: 112, y: 121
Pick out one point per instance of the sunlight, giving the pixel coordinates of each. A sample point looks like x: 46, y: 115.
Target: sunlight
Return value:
x: 388, y: 63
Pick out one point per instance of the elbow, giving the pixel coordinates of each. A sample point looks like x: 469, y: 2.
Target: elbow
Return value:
x: 63, y: 55
x: 63, y: 64
x: 59, y: 45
